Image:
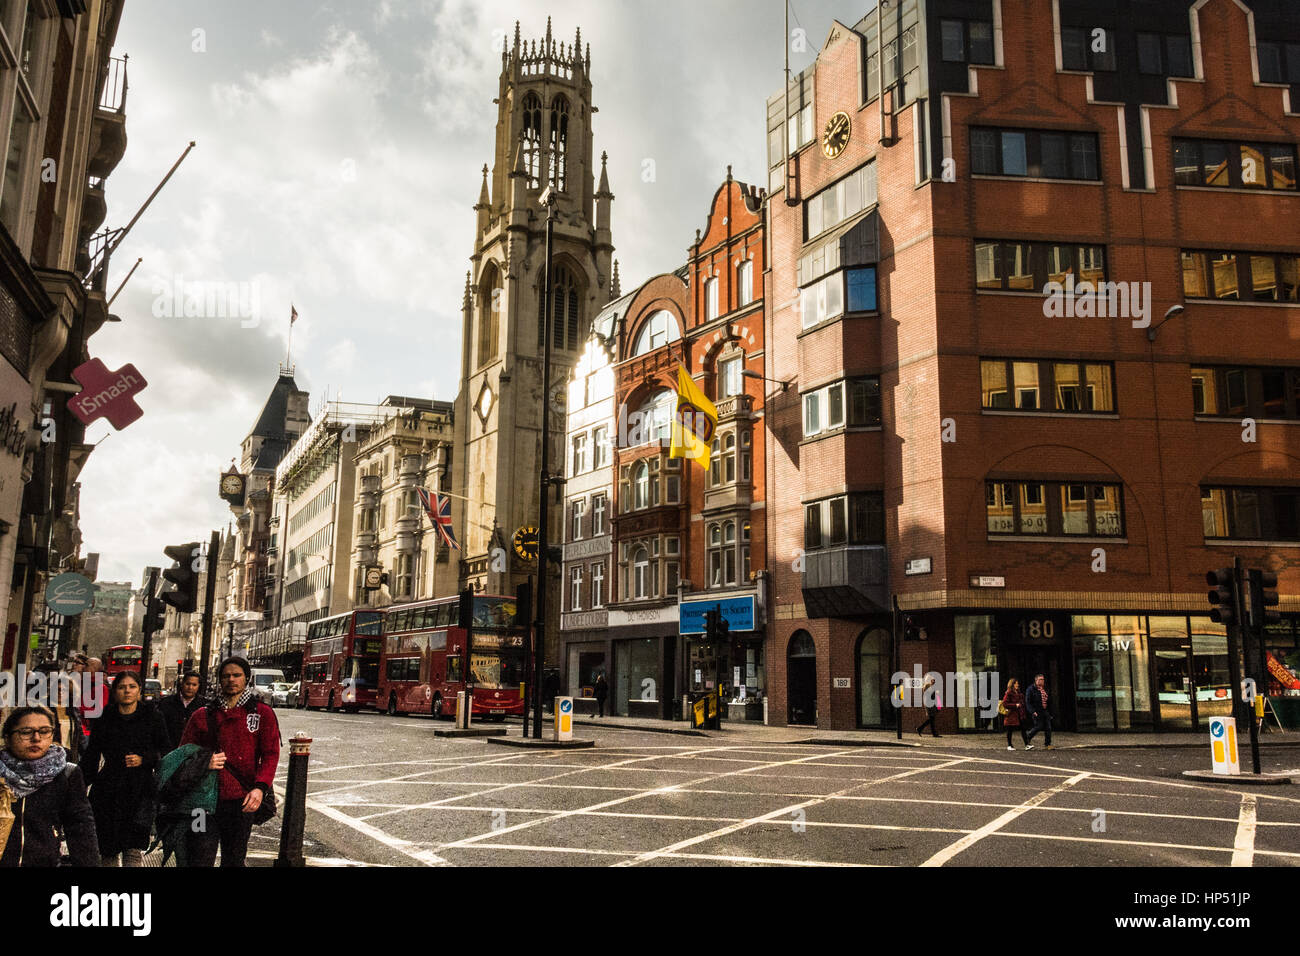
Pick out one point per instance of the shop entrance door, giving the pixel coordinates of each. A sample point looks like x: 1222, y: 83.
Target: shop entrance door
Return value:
x: 801, y: 679
x: 1023, y: 662
x: 1174, y: 683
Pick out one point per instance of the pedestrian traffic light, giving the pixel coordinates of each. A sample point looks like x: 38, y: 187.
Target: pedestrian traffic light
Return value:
x: 1223, y: 597
x: 911, y: 630
x: 185, y: 595
x: 1263, y: 598
x: 154, y: 613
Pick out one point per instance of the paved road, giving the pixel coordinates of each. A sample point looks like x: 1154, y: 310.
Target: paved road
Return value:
x: 385, y: 791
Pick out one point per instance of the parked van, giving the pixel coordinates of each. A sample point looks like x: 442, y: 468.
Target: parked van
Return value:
x: 263, y: 678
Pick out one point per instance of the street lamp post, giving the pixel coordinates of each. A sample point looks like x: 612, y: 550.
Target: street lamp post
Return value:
x: 548, y: 200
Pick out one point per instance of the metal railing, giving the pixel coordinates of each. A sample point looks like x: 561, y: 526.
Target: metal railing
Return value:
x: 112, y: 95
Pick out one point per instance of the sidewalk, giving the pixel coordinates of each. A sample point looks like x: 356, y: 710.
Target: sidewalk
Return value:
x: 984, y: 740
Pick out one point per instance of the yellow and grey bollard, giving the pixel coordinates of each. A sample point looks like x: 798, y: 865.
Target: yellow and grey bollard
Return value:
x: 294, y: 817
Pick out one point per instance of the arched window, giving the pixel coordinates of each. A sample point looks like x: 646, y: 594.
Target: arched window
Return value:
x: 801, y: 645
x: 559, y: 142
x: 729, y: 552
x: 489, y: 315
x: 729, y: 459
x: 565, y: 320
x: 532, y: 135
x: 640, y: 486
x: 657, y: 416
x: 715, y: 464
x: 872, y: 680
x: 660, y: 329
x: 715, y: 556
x: 641, y: 573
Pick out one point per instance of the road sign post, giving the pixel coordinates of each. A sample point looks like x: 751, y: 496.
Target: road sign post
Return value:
x: 1223, y: 746
x: 563, y: 726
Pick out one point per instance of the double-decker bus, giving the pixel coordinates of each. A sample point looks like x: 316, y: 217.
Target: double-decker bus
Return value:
x: 423, y: 666
x: 340, y: 661
x: 123, y: 657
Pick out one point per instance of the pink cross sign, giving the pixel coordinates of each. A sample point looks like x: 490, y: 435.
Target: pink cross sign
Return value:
x: 107, y: 394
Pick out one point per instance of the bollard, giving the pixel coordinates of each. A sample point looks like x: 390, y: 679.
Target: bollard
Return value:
x: 294, y: 817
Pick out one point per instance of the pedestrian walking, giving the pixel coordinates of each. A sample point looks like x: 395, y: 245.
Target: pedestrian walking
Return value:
x: 178, y: 708
x: 245, y: 739
x: 42, y: 796
x: 94, y: 698
x: 1037, y: 703
x: 602, y: 692
x: 130, y: 738
x: 1012, y: 710
x: 931, y: 710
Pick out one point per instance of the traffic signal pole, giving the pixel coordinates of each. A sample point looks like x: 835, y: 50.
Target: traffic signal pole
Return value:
x: 150, y: 598
x: 209, y: 593
x: 1235, y: 633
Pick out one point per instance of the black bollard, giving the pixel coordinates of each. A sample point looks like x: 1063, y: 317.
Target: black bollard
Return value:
x: 295, y: 803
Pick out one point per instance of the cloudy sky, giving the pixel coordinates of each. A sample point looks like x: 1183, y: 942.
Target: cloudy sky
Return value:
x: 338, y: 159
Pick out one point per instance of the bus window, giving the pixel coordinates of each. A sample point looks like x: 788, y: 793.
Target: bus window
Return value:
x: 453, y: 670
x: 438, y: 642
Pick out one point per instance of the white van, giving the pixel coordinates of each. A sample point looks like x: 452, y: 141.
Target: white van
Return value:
x: 263, y: 678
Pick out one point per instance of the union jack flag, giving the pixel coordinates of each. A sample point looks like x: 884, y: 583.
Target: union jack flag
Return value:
x: 440, y: 517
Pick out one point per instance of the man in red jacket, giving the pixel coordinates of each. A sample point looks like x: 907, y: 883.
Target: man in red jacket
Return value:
x: 244, y: 737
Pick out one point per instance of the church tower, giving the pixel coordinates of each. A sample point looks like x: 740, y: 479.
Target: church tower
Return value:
x: 543, y: 138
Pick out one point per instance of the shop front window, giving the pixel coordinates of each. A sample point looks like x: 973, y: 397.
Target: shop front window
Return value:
x: 1131, y: 667
x: 1094, y: 679
x: 976, y: 657
x: 636, y: 675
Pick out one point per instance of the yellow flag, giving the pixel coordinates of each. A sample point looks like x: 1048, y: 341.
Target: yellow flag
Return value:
x: 694, y: 423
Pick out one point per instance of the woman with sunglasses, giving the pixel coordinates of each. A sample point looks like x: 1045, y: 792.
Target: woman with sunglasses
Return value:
x: 46, y: 795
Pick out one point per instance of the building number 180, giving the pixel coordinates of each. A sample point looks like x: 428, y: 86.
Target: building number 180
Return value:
x: 1036, y: 628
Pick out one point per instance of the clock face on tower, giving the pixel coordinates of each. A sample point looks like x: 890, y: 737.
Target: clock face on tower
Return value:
x: 837, y: 135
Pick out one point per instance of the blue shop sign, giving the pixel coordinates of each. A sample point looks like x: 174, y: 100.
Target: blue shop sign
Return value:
x: 738, y: 612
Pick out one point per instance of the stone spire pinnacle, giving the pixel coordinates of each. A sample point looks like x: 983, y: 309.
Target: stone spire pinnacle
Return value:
x: 615, y: 287
x: 604, y: 175
x: 483, y: 198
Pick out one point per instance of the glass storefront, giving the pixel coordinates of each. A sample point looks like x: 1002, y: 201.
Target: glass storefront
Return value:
x: 636, y: 674
x: 976, y: 654
x: 1094, y: 678
x: 1130, y: 665
x: 585, y: 663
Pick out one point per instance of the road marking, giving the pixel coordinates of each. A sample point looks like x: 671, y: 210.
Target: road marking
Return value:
x: 405, y: 847
x: 1243, y: 847
x: 948, y: 852
x: 764, y: 818
x: 559, y: 815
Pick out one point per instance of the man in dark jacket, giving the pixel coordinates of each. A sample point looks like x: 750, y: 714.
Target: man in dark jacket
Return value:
x: 602, y: 693
x: 245, y: 738
x: 1036, y: 701
x: 178, y: 708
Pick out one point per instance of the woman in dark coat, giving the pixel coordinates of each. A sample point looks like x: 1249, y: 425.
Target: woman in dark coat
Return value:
x: 1014, y: 718
x: 46, y: 793
x: 131, y: 738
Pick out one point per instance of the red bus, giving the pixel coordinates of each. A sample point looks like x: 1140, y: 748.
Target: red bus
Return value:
x: 123, y: 657
x: 423, y: 664
x: 340, y: 661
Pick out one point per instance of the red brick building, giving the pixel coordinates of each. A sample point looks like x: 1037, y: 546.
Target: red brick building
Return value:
x: 685, y: 537
x: 1028, y: 464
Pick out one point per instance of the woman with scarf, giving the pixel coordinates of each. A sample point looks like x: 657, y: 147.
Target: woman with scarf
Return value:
x: 45, y: 795
x: 131, y: 738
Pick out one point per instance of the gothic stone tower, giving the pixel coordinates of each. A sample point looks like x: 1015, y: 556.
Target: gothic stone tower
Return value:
x: 543, y: 137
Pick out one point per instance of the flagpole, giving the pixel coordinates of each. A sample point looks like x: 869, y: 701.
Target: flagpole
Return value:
x: 293, y: 314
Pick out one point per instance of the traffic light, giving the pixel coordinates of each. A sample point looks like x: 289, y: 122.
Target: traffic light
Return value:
x: 720, y: 626
x: 185, y: 596
x: 710, y: 625
x: 911, y: 629
x: 155, y: 669
x: 465, y: 617
x: 180, y: 668
x: 1263, y: 598
x: 154, y: 613
x: 1223, y: 597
